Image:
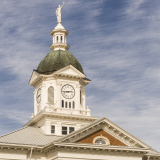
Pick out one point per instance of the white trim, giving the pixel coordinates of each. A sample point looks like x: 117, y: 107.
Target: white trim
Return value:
x: 96, y: 146
x: 43, y: 114
x: 79, y: 74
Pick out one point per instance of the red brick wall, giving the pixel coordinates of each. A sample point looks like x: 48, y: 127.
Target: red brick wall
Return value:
x: 89, y: 138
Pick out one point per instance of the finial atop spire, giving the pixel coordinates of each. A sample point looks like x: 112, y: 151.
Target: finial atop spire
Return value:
x: 58, y: 13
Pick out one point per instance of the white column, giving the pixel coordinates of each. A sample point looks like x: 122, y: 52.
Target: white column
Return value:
x: 55, y: 38
x: 63, y: 39
x: 58, y: 86
x: 35, y: 103
x: 43, y: 95
x: 47, y: 128
x: 78, y: 126
x: 58, y: 130
x: 83, y: 98
x: 77, y: 101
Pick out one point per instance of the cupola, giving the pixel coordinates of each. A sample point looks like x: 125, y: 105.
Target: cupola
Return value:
x: 59, y: 35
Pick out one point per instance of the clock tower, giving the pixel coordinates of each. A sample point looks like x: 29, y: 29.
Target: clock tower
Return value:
x: 59, y: 95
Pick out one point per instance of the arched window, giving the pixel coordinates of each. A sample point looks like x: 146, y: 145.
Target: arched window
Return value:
x: 73, y: 105
x: 62, y: 103
x: 101, y: 140
x: 66, y: 104
x: 69, y: 104
x: 51, y: 95
x: 61, y: 39
x: 57, y: 39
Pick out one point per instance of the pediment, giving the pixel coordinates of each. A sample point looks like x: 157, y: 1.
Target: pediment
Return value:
x: 106, y: 128
x: 35, y: 76
x: 101, y: 135
x: 69, y: 71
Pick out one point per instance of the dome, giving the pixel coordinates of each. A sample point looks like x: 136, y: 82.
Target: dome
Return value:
x: 56, y: 60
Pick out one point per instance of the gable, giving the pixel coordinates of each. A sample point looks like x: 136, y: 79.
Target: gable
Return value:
x: 34, y: 78
x: 70, y: 71
x: 114, y: 132
x: 101, y: 133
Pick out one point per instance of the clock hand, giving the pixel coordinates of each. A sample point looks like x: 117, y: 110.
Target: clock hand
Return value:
x: 68, y: 91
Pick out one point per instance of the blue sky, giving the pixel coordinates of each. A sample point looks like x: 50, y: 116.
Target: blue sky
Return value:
x: 117, y: 43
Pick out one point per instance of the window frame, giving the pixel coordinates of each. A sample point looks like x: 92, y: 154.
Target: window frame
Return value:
x: 64, y: 130
x: 53, y: 129
x: 103, y: 138
x: 68, y: 129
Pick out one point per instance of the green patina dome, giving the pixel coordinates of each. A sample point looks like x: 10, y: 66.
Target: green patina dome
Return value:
x: 56, y: 60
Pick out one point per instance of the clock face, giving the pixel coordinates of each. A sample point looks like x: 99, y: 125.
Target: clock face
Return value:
x: 38, y: 97
x: 68, y: 91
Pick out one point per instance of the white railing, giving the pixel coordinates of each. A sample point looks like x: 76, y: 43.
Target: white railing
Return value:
x: 53, y: 109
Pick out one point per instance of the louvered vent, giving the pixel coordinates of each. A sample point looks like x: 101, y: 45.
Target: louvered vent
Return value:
x: 51, y: 95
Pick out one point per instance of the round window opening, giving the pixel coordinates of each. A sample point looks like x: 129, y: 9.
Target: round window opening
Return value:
x: 100, y: 141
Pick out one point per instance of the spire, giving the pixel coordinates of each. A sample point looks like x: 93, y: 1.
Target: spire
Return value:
x: 59, y: 33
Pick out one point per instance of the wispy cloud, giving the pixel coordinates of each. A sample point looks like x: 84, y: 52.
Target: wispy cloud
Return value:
x: 117, y: 43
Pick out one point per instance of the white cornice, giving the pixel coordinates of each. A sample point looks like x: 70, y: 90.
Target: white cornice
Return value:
x: 18, y: 147
x: 59, y: 30
x: 43, y: 114
x: 58, y: 46
x: 94, y: 148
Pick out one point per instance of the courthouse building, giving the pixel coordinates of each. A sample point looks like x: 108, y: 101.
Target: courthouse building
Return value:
x: 62, y: 127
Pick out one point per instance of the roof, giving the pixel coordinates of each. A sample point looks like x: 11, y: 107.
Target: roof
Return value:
x: 56, y: 60
x: 86, y: 79
x: 28, y: 136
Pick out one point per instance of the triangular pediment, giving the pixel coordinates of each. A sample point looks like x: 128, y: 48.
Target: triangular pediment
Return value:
x: 34, y: 78
x: 99, y: 135
x: 70, y: 71
x: 107, y: 129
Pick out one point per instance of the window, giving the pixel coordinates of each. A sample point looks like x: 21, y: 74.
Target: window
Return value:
x: 66, y: 105
x: 73, y: 105
x: 62, y: 103
x: 69, y: 104
x: 64, y: 130
x: 51, y: 95
x: 101, y: 140
x: 52, y: 129
x: 61, y: 39
x: 71, y: 129
x: 57, y: 39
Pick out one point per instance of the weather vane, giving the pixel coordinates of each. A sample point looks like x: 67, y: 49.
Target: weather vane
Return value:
x: 58, y: 13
